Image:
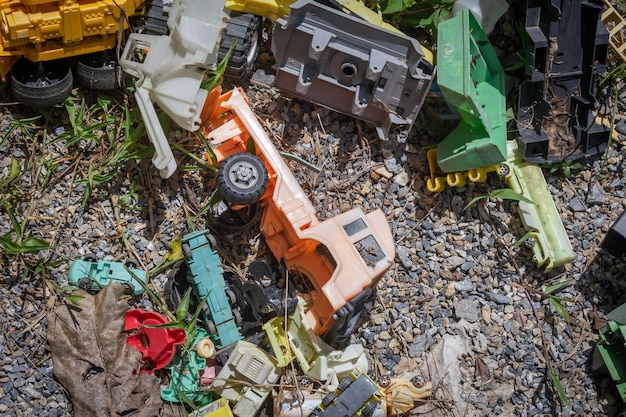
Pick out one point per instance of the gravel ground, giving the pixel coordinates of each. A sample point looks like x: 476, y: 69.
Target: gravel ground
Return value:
x: 458, y: 285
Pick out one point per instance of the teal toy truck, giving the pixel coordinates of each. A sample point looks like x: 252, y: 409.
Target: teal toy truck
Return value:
x: 206, y: 277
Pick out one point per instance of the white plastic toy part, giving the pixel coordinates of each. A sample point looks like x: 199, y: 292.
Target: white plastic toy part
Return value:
x: 171, y: 68
x: 487, y: 12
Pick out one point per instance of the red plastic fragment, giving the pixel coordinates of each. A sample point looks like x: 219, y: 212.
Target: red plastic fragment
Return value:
x: 157, y: 345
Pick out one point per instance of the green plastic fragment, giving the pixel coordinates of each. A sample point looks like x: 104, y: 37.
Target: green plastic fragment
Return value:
x: 471, y: 79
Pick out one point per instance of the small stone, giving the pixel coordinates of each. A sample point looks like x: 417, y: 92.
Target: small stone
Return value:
x: 464, y: 285
x: 384, y: 335
x: 405, y: 256
x: 576, y: 205
x: 596, y: 195
x: 401, y: 179
x: 498, y: 298
x: 452, y: 262
x: 383, y: 172
x: 450, y: 290
x: 466, y: 309
x: 486, y: 313
x: 366, y: 188
x: 621, y: 127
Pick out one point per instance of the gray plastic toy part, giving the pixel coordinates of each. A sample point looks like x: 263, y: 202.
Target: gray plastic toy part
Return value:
x: 351, y: 66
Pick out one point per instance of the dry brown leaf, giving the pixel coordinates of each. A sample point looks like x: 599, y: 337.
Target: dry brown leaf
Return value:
x: 96, y: 366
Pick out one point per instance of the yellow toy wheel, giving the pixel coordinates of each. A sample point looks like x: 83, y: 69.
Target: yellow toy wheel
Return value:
x: 455, y: 179
x: 205, y: 348
x: 477, y: 175
x: 435, y: 185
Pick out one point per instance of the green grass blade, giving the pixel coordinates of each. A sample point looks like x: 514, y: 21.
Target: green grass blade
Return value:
x: 558, y: 286
x: 556, y: 382
x: 559, y: 308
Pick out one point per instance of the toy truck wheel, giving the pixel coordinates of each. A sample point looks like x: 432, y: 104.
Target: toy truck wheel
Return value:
x: 97, y: 72
x: 232, y: 299
x: 128, y: 289
x: 41, y: 86
x: 205, y: 348
x: 435, y: 185
x: 345, y: 383
x: 328, y: 399
x: 186, y: 250
x: 242, y: 178
x: 84, y: 284
x: 212, y: 240
x: 90, y: 257
x: 503, y: 170
x: 131, y: 264
x: 237, y: 316
x: 245, y: 31
x: 368, y: 410
x: 210, y: 326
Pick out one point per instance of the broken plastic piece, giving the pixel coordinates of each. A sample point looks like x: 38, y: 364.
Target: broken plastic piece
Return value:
x: 608, y: 355
x: 186, y: 369
x: 568, y: 49
x: 272, y: 9
x: 317, y: 359
x: 486, y: 12
x: 616, y: 25
x: 471, y: 80
x: 157, y: 345
x: 614, y: 241
x: 402, y: 395
x: 170, y: 70
x: 245, y: 380
x: 437, y: 181
x: 218, y: 408
x: 356, y: 395
x: 351, y: 66
x: 546, y: 234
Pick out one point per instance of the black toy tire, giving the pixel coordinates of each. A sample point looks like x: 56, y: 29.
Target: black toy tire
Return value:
x: 90, y: 257
x: 345, y: 383
x: 237, y: 316
x: 85, y: 284
x: 186, y: 250
x: 97, y: 72
x: 156, y: 19
x: 210, y: 326
x: 131, y: 263
x: 328, y: 399
x: 212, y: 240
x: 128, y: 289
x: 242, y: 179
x: 245, y: 29
x: 368, y: 410
x: 46, y: 88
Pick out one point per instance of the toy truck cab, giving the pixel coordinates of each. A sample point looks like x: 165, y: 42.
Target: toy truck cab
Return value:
x: 340, y: 257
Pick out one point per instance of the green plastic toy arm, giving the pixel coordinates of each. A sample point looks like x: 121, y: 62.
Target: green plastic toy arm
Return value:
x: 547, y: 237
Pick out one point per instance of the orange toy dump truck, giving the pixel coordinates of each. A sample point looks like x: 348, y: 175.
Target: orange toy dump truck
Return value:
x: 340, y: 257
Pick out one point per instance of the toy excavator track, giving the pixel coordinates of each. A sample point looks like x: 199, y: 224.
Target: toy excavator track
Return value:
x: 156, y: 19
x: 245, y: 31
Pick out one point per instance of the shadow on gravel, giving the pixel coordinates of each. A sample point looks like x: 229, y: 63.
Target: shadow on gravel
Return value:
x: 603, y: 284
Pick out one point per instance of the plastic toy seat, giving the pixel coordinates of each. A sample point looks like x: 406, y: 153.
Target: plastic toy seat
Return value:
x: 157, y: 345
